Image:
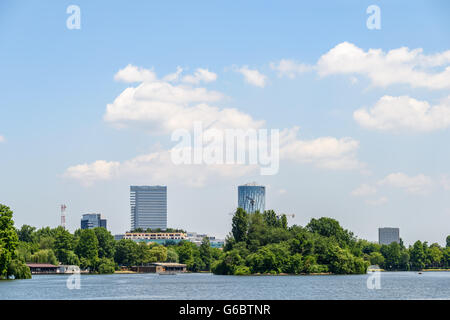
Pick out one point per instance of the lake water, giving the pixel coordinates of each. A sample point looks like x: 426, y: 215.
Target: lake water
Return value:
x: 393, y: 285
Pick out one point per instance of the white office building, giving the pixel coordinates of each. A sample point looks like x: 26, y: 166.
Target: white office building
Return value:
x: 388, y: 235
x: 148, y: 207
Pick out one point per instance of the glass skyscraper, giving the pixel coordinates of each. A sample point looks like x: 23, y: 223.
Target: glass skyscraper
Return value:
x: 92, y: 220
x: 148, y: 207
x: 252, y: 197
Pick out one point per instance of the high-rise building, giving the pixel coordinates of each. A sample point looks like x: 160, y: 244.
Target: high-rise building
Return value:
x: 148, y: 207
x: 388, y: 235
x: 92, y: 220
x: 252, y: 197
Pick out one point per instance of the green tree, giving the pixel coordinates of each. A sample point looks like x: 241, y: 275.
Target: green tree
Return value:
x: 240, y: 225
x: 126, y: 252
x: 447, y: 241
x: 8, y: 240
x: 27, y: 233
x: 87, y: 248
x: 106, y: 243
x: 172, y: 255
x: 376, y: 258
x: 205, y: 253
x: 329, y: 227
x: 158, y: 252
x: 62, y: 244
x: 417, y: 256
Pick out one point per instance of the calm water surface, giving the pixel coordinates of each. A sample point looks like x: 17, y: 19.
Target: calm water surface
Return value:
x: 394, y: 285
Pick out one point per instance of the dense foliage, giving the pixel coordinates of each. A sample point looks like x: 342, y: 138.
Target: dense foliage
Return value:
x: 9, y: 265
x: 259, y: 243
x: 263, y: 243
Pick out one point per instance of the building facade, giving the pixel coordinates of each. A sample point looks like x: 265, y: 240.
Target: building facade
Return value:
x: 148, y: 207
x: 92, y: 220
x: 388, y: 235
x: 197, y: 239
x: 252, y: 197
x: 160, y: 237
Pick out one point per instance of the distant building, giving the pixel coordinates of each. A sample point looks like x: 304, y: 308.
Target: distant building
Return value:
x: 158, y: 237
x: 92, y: 220
x: 148, y: 207
x: 196, y: 238
x: 388, y: 235
x: 252, y: 197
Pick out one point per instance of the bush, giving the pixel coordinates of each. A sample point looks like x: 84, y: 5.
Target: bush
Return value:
x: 242, y: 270
x: 19, y: 270
x: 106, y: 266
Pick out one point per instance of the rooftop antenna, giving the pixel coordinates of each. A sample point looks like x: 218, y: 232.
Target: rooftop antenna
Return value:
x: 63, y: 216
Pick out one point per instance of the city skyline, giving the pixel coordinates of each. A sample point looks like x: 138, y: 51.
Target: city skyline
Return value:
x: 362, y: 114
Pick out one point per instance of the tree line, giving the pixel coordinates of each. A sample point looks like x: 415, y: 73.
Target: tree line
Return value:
x: 259, y: 243
x: 262, y: 243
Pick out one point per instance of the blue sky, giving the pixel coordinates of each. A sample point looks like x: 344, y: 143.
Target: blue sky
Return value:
x: 58, y: 82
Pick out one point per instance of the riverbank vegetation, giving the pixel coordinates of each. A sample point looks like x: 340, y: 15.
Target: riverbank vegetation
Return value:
x: 259, y: 243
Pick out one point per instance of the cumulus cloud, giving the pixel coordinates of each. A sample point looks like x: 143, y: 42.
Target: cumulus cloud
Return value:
x: 132, y: 73
x: 364, y: 190
x: 419, y: 184
x: 289, y: 68
x: 404, y: 114
x: 253, y: 76
x: 325, y: 152
x: 200, y: 75
x: 157, y: 167
x: 397, y: 66
x: 162, y: 107
x: 87, y: 174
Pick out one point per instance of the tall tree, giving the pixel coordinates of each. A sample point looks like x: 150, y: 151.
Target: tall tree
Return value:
x: 8, y: 239
x: 27, y: 233
x: 87, y: 247
x: 205, y: 253
x: 106, y: 243
x: 240, y: 225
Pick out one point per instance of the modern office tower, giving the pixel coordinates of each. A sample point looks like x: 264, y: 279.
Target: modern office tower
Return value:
x: 252, y: 197
x: 92, y: 220
x: 148, y: 207
x: 388, y: 235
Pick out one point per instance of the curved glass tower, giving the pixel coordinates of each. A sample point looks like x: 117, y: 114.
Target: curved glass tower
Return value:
x: 252, y: 197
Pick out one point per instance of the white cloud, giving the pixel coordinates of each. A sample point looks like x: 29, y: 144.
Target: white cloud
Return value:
x: 397, y: 66
x: 87, y: 174
x: 404, y: 114
x: 134, y: 74
x: 364, y: 190
x: 171, y: 77
x: 157, y: 167
x: 162, y: 107
x: 377, y: 202
x: 200, y: 75
x: 325, y: 152
x: 253, y: 77
x: 419, y: 184
x: 2, y: 139
x: 289, y: 68
x: 445, y: 181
